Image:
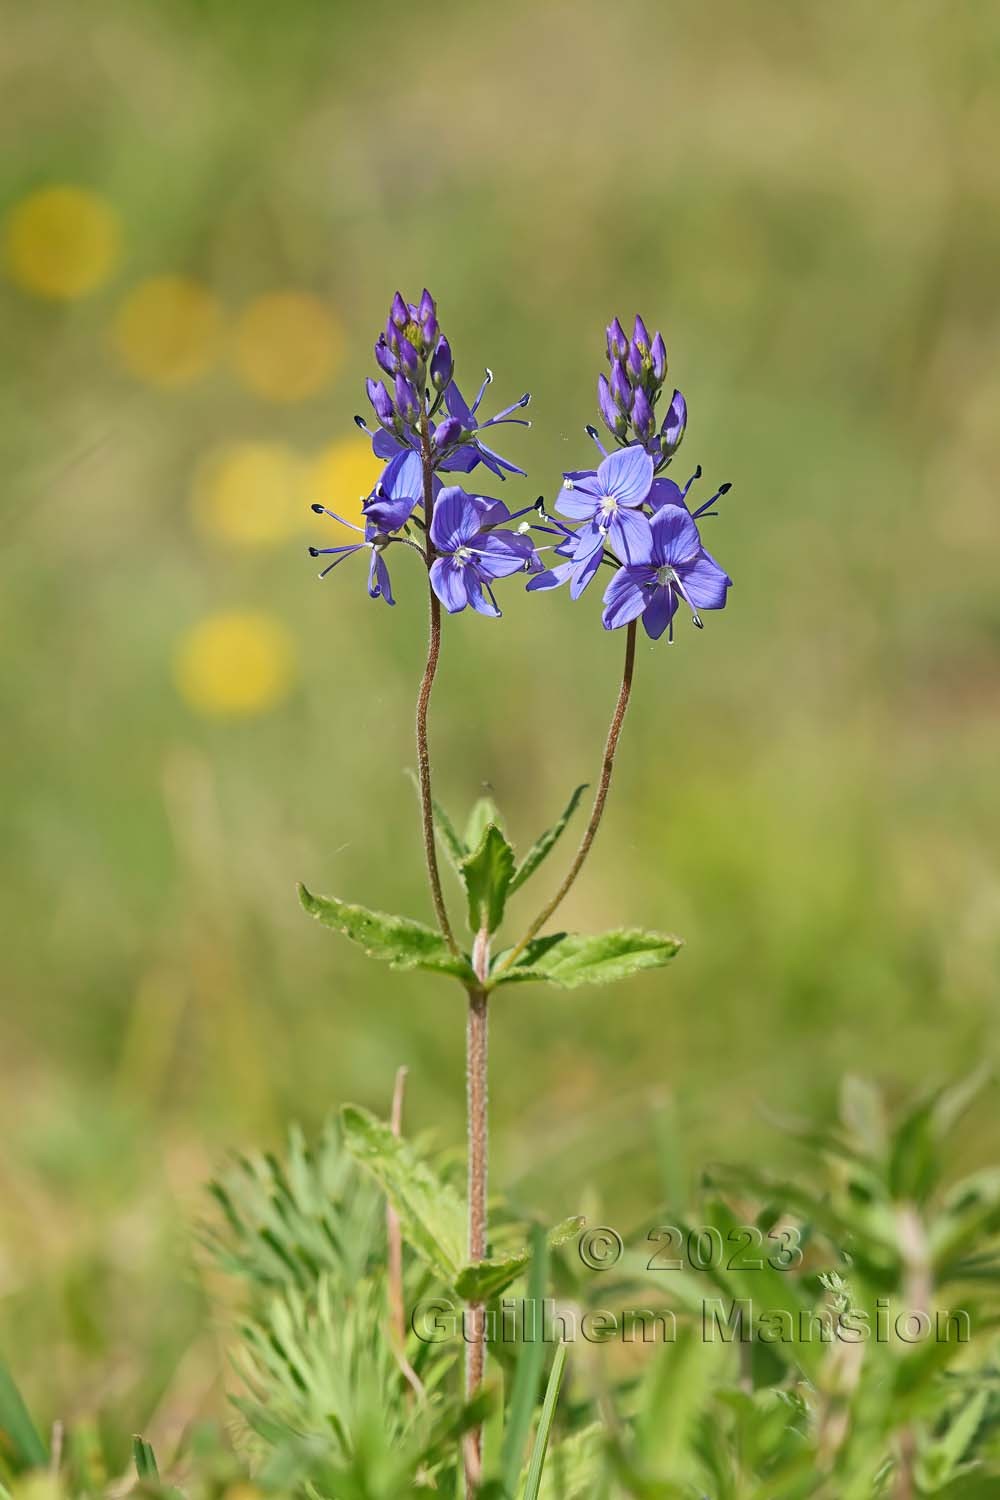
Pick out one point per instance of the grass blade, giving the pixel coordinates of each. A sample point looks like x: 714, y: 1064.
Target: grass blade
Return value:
x: 19, y: 1439
x: 541, y: 1443
x: 528, y: 1372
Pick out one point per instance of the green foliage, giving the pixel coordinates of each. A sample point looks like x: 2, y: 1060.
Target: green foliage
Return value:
x: 431, y: 1214
x: 398, y: 941
x: 144, y: 1459
x: 487, y: 875
x: 570, y: 959
x: 544, y: 845
x: 20, y: 1445
x: 483, y: 1279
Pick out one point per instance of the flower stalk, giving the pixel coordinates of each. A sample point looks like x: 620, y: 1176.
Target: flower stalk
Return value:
x: 597, y: 811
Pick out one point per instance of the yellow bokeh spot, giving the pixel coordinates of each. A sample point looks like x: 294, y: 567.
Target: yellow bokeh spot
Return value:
x: 168, y: 330
x: 252, y: 494
x: 287, y: 346
x: 340, y: 478
x: 236, y: 664
x: 61, y: 242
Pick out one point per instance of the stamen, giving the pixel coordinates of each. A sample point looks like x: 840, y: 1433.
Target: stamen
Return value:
x: 703, y: 510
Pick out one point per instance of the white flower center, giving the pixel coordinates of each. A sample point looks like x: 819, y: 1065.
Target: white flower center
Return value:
x: 664, y: 576
x: 461, y: 556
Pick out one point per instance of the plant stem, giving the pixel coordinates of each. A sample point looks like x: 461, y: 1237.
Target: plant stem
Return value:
x: 607, y: 766
x: 476, y: 1057
x: 423, y: 704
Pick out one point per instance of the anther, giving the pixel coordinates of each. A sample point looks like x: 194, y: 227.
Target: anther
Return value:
x: 319, y: 509
x: 314, y: 552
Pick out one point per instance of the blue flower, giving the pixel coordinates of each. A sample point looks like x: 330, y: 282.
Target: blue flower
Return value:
x: 609, y: 498
x: 675, y: 566
x: 471, y: 553
x: 467, y: 415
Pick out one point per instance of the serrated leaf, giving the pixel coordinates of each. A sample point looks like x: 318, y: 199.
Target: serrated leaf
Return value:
x: 431, y: 1214
x: 482, y: 1279
x: 545, y: 844
x: 398, y: 941
x: 483, y: 813
x: 486, y: 874
x: 571, y: 959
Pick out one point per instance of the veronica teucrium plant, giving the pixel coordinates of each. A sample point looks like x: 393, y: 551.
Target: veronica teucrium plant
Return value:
x: 625, y: 516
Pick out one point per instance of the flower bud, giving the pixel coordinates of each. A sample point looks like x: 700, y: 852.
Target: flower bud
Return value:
x: 640, y: 335
x: 642, y: 416
x: 617, y: 342
x: 633, y: 363
x: 407, y: 401
x: 673, y: 424
x: 409, y: 358
x: 442, y: 365
x: 658, y: 358
x: 447, y: 432
x: 399, y: 312
x: 381, y: 402
x: 384, y: 357
x: 615, y: 421
x: 621, y: 391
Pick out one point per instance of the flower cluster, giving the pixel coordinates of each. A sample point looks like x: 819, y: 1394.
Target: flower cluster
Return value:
x: 425, y: 428
x: 628, y: 397
x: 628, y: 515
x: 641, y: 525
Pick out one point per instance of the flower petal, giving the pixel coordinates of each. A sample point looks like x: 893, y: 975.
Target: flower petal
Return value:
x: 459, y: 408
x: 675, y: 536
x: 501, y: 553
x: 482, y: 603
x: 627, y: 475
x: 456, y: 519
x: 659, y: 611
x: 551, y: 578
x: 584, y: 572
x: 576, y: 504
x: 631, y: 537
x: 448, y: 582
x: 624, y: 600
x: 705, y: 583
x: 665, y: 492
x: 378, y: 579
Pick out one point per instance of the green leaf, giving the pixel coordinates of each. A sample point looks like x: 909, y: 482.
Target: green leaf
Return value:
x: 483, y: 813
x: 541, y: 1443
x: 398, y: 941
x: 453, y: 846
x: 431, y: 1214
x: 19, y: 1441
x: 526, y: 1376
x: 544, y: 845
x: 482, y: 1279
x: 145, y: 1458
x: 487, y: 875
x: 569, y: 959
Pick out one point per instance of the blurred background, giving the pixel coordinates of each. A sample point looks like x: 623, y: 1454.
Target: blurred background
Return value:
x: 206, y: 208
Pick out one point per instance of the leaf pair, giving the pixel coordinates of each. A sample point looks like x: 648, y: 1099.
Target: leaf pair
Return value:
x: 565, y: 959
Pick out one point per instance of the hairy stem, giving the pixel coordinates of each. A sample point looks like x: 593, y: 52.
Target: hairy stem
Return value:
x: 476, y: 1057
x: 423, y: 705
x: 607, y: 766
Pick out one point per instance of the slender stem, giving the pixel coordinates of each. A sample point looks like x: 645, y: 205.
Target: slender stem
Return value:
x: 607, y: 766
x: 476, y: 1071
x: 423, y: 704
x: 394, y: 1238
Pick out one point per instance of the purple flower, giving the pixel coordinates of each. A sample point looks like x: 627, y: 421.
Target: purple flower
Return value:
x: 610, y: 498
x: 675, y: 565
x: 584, y: 551
x: 442, y: 364
x: 397, y: 494
x: 379, y: 585
x: 471, y: 554
x: 459, y: 408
